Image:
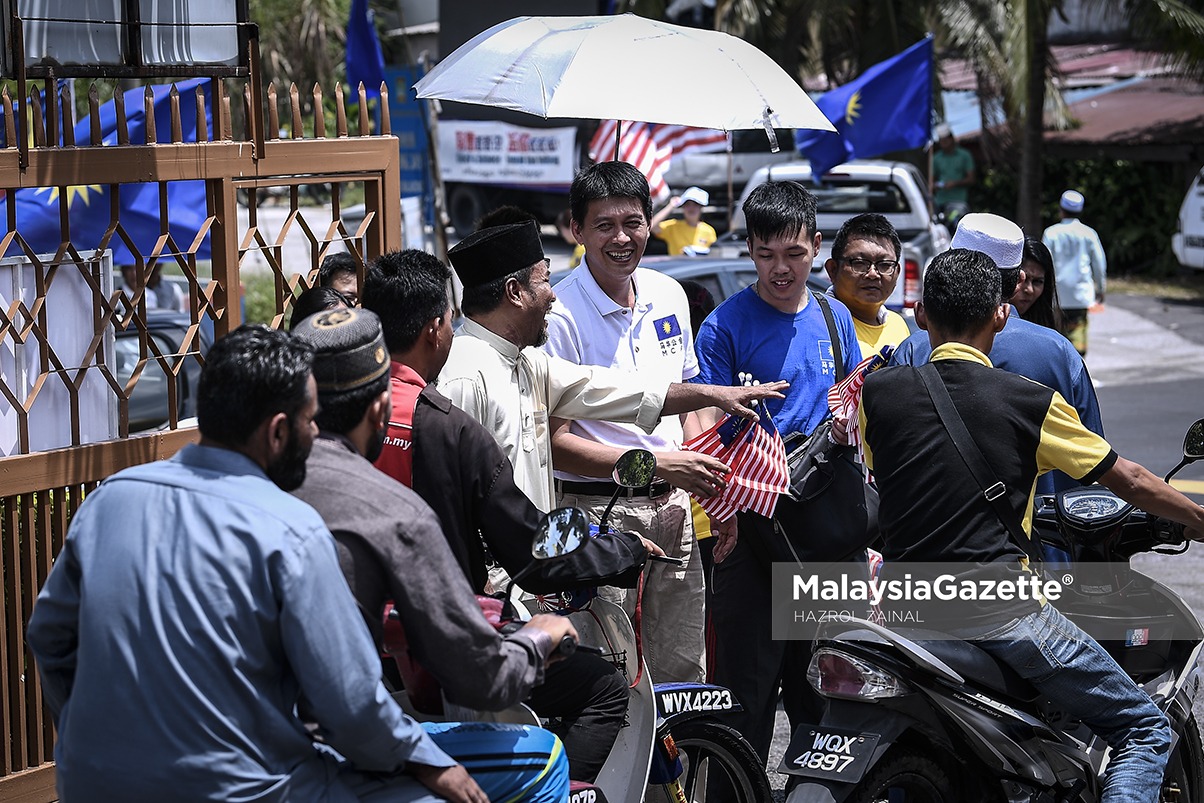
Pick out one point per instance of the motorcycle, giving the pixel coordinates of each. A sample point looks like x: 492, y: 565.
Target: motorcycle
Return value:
x: 673, y: 746
x: 912, y: 717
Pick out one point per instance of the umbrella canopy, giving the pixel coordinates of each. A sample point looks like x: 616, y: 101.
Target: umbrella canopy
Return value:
x: 598, y: 67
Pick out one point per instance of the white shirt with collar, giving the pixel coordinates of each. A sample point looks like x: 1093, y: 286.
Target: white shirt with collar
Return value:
x: 651, y: 341
x: 513, y: 392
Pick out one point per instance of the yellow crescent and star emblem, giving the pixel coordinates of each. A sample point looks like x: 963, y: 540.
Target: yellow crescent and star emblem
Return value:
x: 852, y: 109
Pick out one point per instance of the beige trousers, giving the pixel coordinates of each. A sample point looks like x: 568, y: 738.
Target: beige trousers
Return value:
x: 673, y: 609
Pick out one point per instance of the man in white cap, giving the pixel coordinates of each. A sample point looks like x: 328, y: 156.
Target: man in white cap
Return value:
x: 1080, y: 265
x: 952, y: 170
x: 689, y: 235
x: 1024, y: 348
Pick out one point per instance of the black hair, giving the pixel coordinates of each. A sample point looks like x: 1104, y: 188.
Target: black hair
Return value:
x: 314, y: 300
x: 335, y: 265
x: 342, y: 412
x: 701, y: 302
x: 564, y: 220
x: 870, y: 224
x: 484, y: 298
x: 1046, y: 310
x: 505, y: 216
x: 1009, y: 280
x: 608, y: 180
x: 250, y: 375
x: 407, y: 290
x: 779, y: 209
x: 961, y: 291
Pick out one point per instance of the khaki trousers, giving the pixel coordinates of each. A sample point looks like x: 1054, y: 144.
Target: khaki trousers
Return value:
x: 673, y: 610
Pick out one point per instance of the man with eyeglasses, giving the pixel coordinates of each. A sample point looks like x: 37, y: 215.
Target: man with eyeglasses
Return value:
x: 864, y: 269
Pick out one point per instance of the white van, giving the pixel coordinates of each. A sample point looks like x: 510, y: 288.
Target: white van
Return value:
x: 1188, y: 242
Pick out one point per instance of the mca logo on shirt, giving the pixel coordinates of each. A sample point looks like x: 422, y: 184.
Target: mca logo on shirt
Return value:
x: 668, y: 335
x: 827, y: 359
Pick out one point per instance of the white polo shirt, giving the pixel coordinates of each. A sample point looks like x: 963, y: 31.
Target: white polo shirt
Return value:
x: 653, y: 341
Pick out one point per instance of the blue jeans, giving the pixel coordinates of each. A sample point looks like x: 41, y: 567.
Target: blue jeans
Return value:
x: 1068, y: 666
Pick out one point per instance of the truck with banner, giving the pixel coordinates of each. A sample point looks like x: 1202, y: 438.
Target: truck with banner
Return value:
x: 487, y: 163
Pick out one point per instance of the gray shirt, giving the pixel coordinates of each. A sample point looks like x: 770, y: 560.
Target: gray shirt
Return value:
x: 390, y: 548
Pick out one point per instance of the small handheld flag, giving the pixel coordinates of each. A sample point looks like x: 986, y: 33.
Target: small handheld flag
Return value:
x: 757, y: 457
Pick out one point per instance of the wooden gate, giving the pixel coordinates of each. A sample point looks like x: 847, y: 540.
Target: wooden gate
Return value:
x: 39, y: 490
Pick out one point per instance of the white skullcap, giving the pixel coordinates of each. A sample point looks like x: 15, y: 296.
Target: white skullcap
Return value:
x: 943, y: 131
x: 1072, y: 201
x: 997, y: 237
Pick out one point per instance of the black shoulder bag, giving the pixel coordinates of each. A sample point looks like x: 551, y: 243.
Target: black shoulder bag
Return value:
x: 993, y: 490
x: 830, y: 513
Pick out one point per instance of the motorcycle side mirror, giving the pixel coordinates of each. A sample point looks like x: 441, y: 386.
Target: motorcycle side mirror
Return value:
x: 635, y: 468
x: 1193, y: 447
x: 561, y: 531
x: 1193, y: 442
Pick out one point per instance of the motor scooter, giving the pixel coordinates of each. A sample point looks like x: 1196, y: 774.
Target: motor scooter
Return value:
x: 914, y: 716
x: 673, y: 746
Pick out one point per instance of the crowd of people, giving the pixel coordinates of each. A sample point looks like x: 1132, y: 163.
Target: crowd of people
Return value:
x: 224, y: 641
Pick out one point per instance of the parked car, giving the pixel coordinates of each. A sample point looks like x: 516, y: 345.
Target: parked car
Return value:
x: 894, y: 189
x: 1188, y: 241
x: 148, y: 405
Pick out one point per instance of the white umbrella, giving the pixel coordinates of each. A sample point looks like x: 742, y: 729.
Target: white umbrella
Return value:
x: 601, y: 68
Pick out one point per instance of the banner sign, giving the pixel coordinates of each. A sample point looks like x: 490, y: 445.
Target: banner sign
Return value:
x: 487, y: 152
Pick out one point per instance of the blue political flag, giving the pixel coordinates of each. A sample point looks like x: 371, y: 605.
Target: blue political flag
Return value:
x: 365, y: 62
x: 888, y: 108
x: 37, y: 209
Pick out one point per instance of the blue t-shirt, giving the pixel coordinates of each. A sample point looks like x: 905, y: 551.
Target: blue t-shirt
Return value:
x: 1039, y: 354
x: 746, y: 335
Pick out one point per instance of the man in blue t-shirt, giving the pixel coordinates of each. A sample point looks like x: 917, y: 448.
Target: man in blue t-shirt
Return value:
x: 764, y: 333
x: 1023, y: 347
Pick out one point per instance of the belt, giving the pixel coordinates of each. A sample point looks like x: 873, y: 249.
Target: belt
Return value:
x: 655, y: 490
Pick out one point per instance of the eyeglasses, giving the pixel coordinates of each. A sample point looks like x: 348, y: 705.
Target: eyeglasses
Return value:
x: 885, y: 267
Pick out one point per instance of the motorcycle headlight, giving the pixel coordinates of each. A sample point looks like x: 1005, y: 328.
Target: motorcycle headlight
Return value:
x: 837, y: 674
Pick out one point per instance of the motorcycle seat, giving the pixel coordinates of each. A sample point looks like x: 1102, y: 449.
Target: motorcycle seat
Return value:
x: 975, y: 665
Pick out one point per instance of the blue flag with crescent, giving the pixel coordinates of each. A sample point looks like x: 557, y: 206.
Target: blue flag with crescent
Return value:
x: 89, y: 208
x: 888, y: 108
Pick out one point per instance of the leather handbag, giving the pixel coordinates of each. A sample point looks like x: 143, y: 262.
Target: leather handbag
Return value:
x: 830, y: 513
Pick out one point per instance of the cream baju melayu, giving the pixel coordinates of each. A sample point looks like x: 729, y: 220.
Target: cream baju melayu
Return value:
x: 513, y: 392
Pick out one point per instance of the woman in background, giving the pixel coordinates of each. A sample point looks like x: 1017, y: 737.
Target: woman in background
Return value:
x: 1036, y: 298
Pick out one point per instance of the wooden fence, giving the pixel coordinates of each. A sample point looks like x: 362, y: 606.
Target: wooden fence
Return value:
x: 39, y: 490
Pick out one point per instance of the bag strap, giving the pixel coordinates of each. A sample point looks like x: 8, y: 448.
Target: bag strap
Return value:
x: 833, y: 334
x: 993, y: 490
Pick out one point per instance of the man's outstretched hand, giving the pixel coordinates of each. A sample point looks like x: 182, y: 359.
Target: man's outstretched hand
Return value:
x: 738, y: 400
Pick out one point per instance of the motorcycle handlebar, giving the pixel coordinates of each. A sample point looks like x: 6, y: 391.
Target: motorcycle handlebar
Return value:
x: 569, y: 645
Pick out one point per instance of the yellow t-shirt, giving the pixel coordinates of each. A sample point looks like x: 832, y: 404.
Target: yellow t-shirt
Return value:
x: 873, y: 337
x: 679, y: 234
x: 575, y: 259
x: 702, y: 522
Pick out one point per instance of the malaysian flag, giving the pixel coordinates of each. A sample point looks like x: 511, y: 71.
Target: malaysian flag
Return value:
x: 754, y: 451
x: 845, y: 396
x: 651, y: 147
